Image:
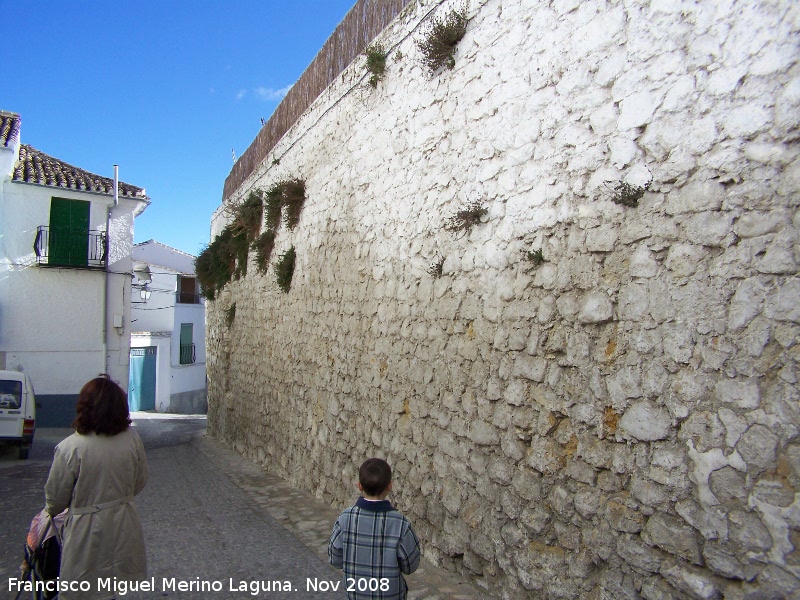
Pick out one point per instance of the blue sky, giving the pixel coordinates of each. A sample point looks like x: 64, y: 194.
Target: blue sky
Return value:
x: 166, y: 89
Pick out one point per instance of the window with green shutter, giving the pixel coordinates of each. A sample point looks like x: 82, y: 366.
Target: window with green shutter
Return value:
x: 187, y: 346
x: 68, y: 242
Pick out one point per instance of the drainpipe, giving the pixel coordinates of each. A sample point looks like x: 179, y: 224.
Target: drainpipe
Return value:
x: 105, y: 268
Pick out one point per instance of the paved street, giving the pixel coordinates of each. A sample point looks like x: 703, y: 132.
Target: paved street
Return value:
x: 209, y: 518
x: 198, y: 526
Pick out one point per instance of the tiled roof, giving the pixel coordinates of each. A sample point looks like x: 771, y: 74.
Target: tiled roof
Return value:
x: 37, y: 167
x: 9, y: 128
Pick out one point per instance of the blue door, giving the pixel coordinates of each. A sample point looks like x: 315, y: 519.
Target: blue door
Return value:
x: 142, y: 381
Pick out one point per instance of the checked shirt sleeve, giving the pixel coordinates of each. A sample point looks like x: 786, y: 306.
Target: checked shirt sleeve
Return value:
x: 335, y: 552
x: 408, y: 550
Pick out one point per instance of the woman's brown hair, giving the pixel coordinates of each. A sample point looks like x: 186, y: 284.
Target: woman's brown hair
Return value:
x: 102, y: 408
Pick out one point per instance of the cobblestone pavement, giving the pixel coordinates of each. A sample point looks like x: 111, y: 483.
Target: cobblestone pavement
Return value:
x: 209, y: 515
x: 311, y: 520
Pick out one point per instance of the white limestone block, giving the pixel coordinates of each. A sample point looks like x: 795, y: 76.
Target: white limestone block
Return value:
x: 746, y: 303
x: 742, y: 393
x: 602, y: 239
x: 612, y: 66
x: 679, y: 95
x: 604, y: 119
x: 709, y: 228
x: 646, y: 421
x: 623, y: 384
x: 637, y: 110
x: 683, y: 259
x: 782, y: 303
x: 724, y: 81
x: 695, y: 197
x: 704, y: 135
x: 643, y: 263
x: 623, y: 151
x: 483, y: 433
x: 778, y: 260
x: 753, y: 224
x: 596, y: 307
x: 530, y: 367
x: 746, y: 121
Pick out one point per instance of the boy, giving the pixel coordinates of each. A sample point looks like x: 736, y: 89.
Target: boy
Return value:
x: 372, y: 542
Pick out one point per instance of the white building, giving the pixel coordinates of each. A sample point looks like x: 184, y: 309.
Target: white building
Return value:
x: 168, y: 351
x: 65, y: 269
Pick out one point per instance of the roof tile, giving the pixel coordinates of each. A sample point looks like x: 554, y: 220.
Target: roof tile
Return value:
x: 37, y: 167
x: 9, y: 128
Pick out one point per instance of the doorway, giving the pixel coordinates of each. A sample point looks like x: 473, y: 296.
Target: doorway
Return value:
x: 142, y: 380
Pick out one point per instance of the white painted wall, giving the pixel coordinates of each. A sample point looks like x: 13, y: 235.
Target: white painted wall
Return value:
x: 161, y: 317
x: 50, y: 318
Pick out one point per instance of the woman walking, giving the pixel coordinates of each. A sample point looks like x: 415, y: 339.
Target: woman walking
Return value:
x: 96, y: 473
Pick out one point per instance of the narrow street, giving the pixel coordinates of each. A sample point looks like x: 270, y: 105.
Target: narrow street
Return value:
x: 200, y: 528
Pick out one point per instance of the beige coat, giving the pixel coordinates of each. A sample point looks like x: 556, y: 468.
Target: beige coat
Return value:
x: 96, y: 476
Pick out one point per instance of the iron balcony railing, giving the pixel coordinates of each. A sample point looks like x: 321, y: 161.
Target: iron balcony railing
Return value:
x: 187, y: 298
x: 187, y: 354
x: 70, y: 247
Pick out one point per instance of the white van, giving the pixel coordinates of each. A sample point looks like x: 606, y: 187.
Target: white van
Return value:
x: 17, y: 411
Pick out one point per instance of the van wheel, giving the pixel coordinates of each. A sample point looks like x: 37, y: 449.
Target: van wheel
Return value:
x: 23, y: 453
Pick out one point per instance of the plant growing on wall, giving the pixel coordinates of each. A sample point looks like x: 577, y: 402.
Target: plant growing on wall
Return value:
x: 284, y: 270
x: 247, y: 215
x: 225, y: 258
x: 288, y: 194
x: 436, y: 268
x: 230, y: 315
x: 443, y: 34
x: 534, y: 256
x: 263, y: 246
x: 239, y: 247
x: 376, y: 63
x: 466, y: 217
x: 627, y: 194
x: 216, y: 264
x: 294, y: 196
x: 272, y: 207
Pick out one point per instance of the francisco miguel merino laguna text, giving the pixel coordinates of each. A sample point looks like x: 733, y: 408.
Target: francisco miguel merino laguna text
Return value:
x: 122, y: 587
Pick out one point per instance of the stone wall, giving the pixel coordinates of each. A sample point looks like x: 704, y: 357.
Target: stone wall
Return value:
x: 619, y: 421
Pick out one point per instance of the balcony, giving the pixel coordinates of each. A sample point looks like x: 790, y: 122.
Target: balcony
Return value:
x: 70, y: 248
x: 187, y: 298
x: 187, y: 354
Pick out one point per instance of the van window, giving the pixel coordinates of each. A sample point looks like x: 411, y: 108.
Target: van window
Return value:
x: 10, y: 393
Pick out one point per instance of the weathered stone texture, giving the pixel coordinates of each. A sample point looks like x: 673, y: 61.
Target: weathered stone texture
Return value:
x: 620, y: 421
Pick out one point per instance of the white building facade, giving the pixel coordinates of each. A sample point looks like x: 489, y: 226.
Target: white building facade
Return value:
x: 168, y: 357
x: 65, y: 267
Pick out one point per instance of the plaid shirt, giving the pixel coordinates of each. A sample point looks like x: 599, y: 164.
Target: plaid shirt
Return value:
x: 373, y: 544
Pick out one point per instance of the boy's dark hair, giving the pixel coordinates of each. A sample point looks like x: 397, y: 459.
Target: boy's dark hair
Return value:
x: 374, y: 475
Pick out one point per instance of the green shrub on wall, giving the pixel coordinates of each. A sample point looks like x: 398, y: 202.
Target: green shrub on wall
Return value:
x: 215, y: 265
x: 376, y: 63
x: 263, y: 246
x: 439, y: 44
x: 625, y: 193
x: 272, y: 206
x: 466, y: 217
x: 284, y: 270
x: 294, y: 196
x: 225, y: 258
x: 286, y: 197
x: 247, y: 215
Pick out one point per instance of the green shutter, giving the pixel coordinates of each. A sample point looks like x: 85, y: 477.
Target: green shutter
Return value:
x: 187, y: 356
x: 68, y: 243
